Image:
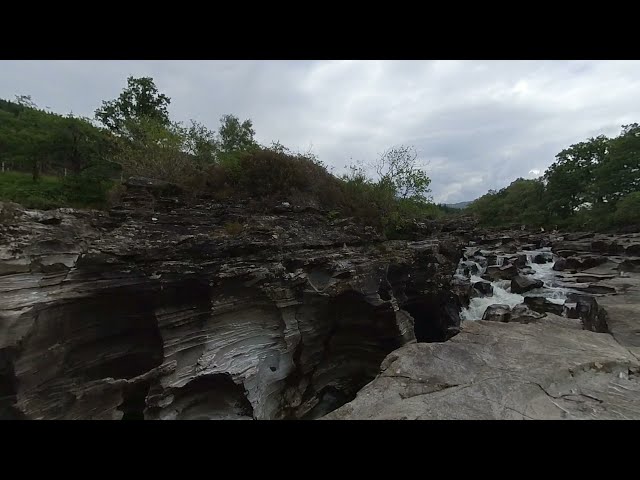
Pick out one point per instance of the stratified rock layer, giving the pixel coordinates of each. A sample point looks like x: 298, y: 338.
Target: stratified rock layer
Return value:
x: 167, y: 308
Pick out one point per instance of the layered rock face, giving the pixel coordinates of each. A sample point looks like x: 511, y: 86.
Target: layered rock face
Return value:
x: 172, y: 308
x: 577, y: 359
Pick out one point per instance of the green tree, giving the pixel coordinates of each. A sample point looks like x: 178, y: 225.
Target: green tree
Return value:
x: 619, y: 174
x: 139, y: 100
x: 398, y: 170
x: 570, y: 178
x: 201, y: 143
x: 236, y: 136
x: 628, y: 210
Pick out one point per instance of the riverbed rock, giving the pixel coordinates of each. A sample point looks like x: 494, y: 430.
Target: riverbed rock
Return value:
x: 494, y: 370
x: 560, y: 264
x: 497, y: 313
x: 542, y: 305
x: 482, y: 289
x: 505, y: 272
x: 523, y: 314
x: 542, y: 258
x: 521, y: 284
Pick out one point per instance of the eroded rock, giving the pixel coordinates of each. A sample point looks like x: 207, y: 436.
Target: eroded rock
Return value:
x: 495, y: 370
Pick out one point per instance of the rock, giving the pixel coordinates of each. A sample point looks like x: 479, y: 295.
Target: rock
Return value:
x: 542, y: 305
x: 541, y: 258
x: 523, y: 314
x: 519, y: 261
x: 505, y: 272
x: 593, y: 289
x: 632, y: 250
x: 502, y: 371
x: 470, y: 268
x: 560, y: 321
x: 592, y: 315
x: 560, y: 264
x: 527, y: 271
x: 629, y: 265
x: 520, y: 284
x: 105, y: 315
x: 497, y: 313
x: 482, y: 289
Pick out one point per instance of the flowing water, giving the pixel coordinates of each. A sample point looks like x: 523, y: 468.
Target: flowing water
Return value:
x: 502, y: 288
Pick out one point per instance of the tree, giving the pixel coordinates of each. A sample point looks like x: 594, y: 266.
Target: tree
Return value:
x: 201, y: 143
x: 619, y: 174
x: 628, y: 210
x: 139, y: 100
x: 399, y: 171
x: 236, y: 136
x: 570, y: 178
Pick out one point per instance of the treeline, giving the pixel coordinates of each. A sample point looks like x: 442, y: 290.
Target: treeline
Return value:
x: 134, y: 135
x: 593, y: 184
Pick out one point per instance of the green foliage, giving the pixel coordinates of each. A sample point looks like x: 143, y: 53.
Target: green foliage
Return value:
x: 236, y: 136
x: 628, y: 210
x: 53, y: 192
x: 582, y: 189
x: 398, y: 198
x: 399, y: 171
x: 522, y: 202
x: 139, y: 100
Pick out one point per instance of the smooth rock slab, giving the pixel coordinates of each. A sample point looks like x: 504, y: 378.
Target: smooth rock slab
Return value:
x: 504, y: 371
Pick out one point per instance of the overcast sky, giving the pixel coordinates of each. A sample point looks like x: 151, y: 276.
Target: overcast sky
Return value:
x: 476, y: 124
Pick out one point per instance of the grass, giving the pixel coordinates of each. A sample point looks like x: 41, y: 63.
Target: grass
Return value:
x: 52, y: 192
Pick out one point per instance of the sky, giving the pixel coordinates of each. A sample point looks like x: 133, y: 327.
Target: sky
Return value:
x: 476, y: 125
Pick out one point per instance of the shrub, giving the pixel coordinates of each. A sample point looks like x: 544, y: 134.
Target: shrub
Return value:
x: 628, y: 210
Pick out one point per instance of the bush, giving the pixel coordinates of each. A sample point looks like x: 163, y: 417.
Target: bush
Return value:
x: 628, y: 210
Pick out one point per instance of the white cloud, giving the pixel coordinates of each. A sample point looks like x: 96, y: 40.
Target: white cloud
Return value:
x: 480, y: 124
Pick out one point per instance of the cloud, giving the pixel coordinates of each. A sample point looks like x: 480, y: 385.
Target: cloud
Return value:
x: 477, y: 125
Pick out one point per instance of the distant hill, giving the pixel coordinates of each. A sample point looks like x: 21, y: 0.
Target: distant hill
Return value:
x: 458, y: 205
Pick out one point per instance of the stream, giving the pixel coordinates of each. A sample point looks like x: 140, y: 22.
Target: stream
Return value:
x: 502, y: 288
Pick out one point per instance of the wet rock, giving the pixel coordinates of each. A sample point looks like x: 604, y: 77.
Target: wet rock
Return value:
x: 542, y: 305
x: 482, y: 289
x: 519, y: 261
x: 527, y: 271
x: 520, y: 284
x: 542, y: 258
x: 505, y: 272
x: 560, y: 264
x: 497, y: 313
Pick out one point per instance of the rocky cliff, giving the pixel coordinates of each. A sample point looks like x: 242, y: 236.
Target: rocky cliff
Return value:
x: 542, y: 359
x: 171, y: 307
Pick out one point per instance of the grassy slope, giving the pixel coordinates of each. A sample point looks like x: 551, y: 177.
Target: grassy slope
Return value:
x: 51, y: 192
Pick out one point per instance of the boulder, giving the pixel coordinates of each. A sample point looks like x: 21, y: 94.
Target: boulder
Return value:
x: 520, y: 284
x: 542, y: 305
x: 541, y: 258
x: 482, y: 289
x: 560, y: 264
x: 497, y: 313
x: 505, y: 272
